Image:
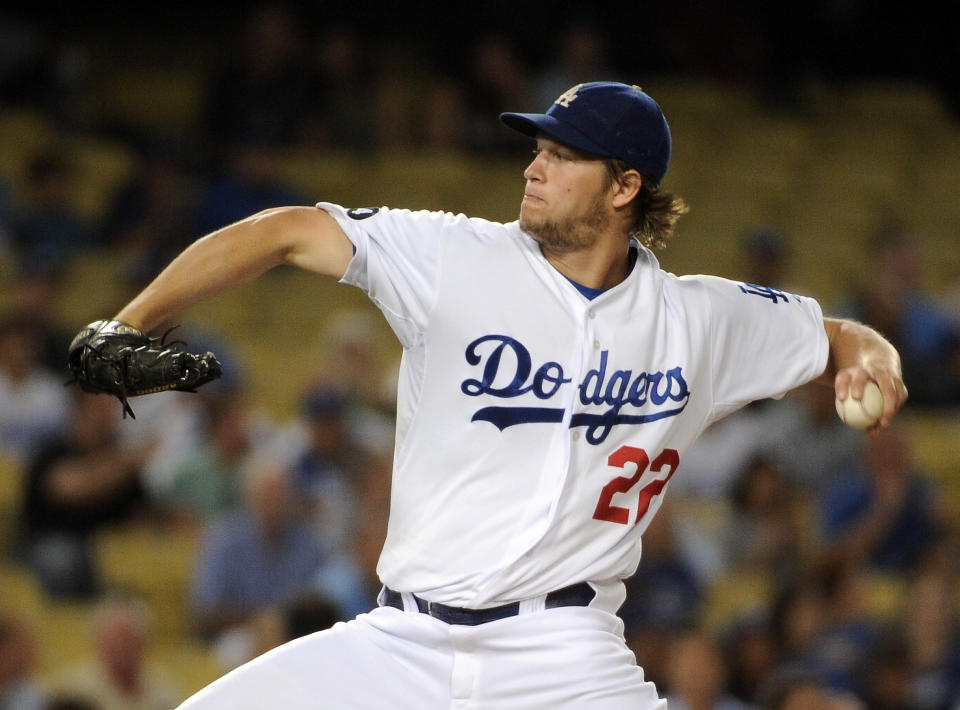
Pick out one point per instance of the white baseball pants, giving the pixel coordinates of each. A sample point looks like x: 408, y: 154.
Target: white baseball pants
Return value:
x: 557, y: 659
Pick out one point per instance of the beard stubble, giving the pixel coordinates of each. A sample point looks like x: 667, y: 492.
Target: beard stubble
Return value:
x: 571, y: 233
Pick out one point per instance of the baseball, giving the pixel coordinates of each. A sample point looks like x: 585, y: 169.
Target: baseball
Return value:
x: 863, y: 413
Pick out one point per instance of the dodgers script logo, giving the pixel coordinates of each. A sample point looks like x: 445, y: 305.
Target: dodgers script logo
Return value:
x: 508, y: 371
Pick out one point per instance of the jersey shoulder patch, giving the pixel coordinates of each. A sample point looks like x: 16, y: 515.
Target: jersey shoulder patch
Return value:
x: 362, y: 212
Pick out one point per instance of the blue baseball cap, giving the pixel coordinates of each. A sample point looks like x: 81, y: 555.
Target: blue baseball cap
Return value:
x: 607, y: 119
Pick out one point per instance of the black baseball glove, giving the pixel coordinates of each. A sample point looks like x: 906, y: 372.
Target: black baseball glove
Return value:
x: 111, y: 357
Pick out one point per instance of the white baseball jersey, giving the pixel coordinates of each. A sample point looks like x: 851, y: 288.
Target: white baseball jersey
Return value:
x: 537, y: 430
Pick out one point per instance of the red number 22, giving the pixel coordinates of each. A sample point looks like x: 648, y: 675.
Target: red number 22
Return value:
x: 621, y: 484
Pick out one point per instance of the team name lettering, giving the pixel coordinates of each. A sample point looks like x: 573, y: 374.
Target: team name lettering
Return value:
x: 508, y: 371
x: 544, y: 384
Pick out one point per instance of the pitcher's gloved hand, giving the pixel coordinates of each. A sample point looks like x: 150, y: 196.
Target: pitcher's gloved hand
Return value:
x: 111, y: 357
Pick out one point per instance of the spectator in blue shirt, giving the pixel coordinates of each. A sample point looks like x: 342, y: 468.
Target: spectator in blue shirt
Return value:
x: 261, y: 556
x: 882, y: 513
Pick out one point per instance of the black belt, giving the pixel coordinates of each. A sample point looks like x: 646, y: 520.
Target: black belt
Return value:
x: 575, y: 595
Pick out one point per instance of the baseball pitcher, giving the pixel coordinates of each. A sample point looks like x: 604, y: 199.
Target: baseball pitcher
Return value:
x: 553, y: 375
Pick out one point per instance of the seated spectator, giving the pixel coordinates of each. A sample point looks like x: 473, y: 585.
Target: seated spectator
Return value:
x: 665, y: 592
x: 929, y: 631
x: 498, y: 77
x: 349, y: 576
x: 825, y: 627
x: 187, y: 431
x: 580, y: 53
x: 344, y: 118
x: 749, y: 644
x: 150, y: 216
x: 697, y: 674
x: 306, y: 614
x: 302, y: 615
x: 886, y: 684
x: 766, y: 530
x: 47, y: 227
x: 703, y: 488
x: 767, y: 257
x: 897, y: 303
x: 20, y: 688
x: 664, y: 596
x: 246, y: 182
x: 806, y: 438
x: 797, y: 615
x: 442, y: 124
x: 77, y: 484
x: 355, y: 358
x: 33, y: 400
x: 262, y: 555
x: 119, y: 676
x: 38, y: 289
x: 203, y: 480
x: 882, y: 513
x: 714, y: 462
x: 258, y: 92
x: 325, y: 470
x: 795, y: 689
x: 842, y: 645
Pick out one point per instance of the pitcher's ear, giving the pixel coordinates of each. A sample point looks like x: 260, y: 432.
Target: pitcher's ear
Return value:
x: 626, y: 186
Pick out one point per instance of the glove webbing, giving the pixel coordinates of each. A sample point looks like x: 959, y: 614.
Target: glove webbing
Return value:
x: 120, y: 361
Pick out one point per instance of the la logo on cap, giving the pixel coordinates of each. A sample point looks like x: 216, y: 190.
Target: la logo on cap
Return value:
x: 568, y: 96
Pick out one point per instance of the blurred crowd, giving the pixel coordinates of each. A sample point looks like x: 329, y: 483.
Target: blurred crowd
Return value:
x: 795, y: 563
x: 285, y: 518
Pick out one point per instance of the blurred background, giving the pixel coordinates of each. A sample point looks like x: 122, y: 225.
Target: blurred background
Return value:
x: 818, y: 145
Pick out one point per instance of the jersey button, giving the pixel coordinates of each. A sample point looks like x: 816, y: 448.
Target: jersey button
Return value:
x: 593, y: 314
x: 575, y: 436
x: 596, y: 344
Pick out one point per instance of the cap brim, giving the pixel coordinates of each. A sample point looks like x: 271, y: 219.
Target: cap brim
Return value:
x: 531, y: 124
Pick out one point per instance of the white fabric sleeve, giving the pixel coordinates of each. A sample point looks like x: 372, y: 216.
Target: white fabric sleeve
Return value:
x: 763, y: 342
x: 396, y: 262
